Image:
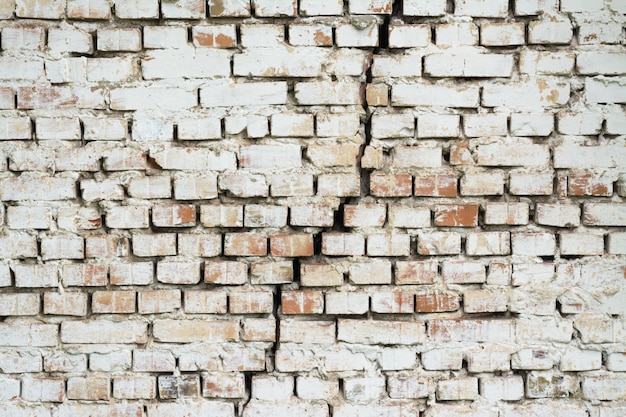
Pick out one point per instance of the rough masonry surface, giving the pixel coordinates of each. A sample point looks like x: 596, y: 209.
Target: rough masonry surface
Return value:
x: 315, y: 208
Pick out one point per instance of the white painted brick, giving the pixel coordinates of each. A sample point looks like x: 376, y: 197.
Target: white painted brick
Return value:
x: 533, y: 244
x: 532, y: 124
x: 422, y: 8
x: 363, y: 389
x: 456, y: 34
x: 407, y: 65
x: 321, y: 7
x: 534, y: 93
x: 278, y: 61
x: 432, y: 95
x: 442, y: 359
x: 468, y: 65
x: 581, y: 157
x: 502, y: 34
x: 506, y: 388
x: 490, y: 124
x: 348, y: 35
x: 546, y: 63
x: 409, y: 36
x: 559, y: 215
x: 547, y: 32
x: 69, y: 39
x: 118, y: 39
x: 395, y: 125
x: 605, y: 90
x: 227, y: 93
x: 581, y: 244
x: 438, y: 126
x: 67, y: 70
x: 482, y: 8
x: 617, y: 243
x: 512, y: 154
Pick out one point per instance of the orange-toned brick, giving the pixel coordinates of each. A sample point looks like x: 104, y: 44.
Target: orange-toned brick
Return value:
x: 113, y: 302
x: 245, y: 244
x: 391, y: 185
x: 456, y: 215
x: 437, y: 185
x: 460, y: 154
x: 302, y: 302
x: 214, y: 36
x: 588, y: 184
x: 377, y: 94
x: 436, y: 302
x: 291, y: 245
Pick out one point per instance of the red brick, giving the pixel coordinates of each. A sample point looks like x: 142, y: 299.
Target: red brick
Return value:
x: 391, y: 185
x: 113, y: 302
x: 245, y: 244
x: 436, y: 302
x: 588, y: 184
x: 456, y: 215
x: 437, y: 185
x: 291, y: 245
x: 174, y: 215
x: 302, y: 302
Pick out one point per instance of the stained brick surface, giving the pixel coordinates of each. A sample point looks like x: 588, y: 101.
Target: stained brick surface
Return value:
x: 327, y: 208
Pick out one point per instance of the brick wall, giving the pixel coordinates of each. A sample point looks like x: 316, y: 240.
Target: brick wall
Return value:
x: 312, y: 208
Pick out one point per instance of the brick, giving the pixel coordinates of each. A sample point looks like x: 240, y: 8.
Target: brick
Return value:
x: 256, y: 215
x: 172, y: 409
x: 42, y: 188
x: 438, y: 243
x: 200, y: 63
x: 225, y: 272
x: 559, y: 215
x: 482, y: 183
x: 273, y: 272
x: 502, y: 34
x: 488, y: 361
x: 174, y: 215
x: 198, y: 129
x: 151, y: 129
x: 530, y: 183
x: 468, y: 330
x: 341, y: 124
x: 187, y: 9
x: 159, y: 301
x: 158, y: 186
x: 11, y: 389
x: 506, y: 213
x: 338, y: 244
x: 63, y: 304
x: 189, y: 331
x: 162, y: 244
x: 321, y: 7
x: 204, y: 245
x: 603, y: 214
x: 319, y: 332
x: 34, y: 275
x: 127, y: 217
x: 581, y: 244
x: 19, y: 304
x: 214, y: 36
x: 135, y: 9
x: 115, y: 361
x: 205, y: 302
x: 24, y: 217
x: 291, y: 245
x: 147, y: 98
x: 302, y: 302
x: 135, y: 273
x: 374, y: 272
x: 397, y: 359
x: 409, y: 36
x: 506, y: 388
x: 153, y: 361
x: 487, y: 243
x: 314, y: 388
x: 373, y: 332
x: 498, y: 154
x: 243, y: 184
x: 255, y: 330
x: 320, y: 275
x: 533, y: 244
x: 221, y: 216
x: 286, y: 185
x: 124, y: 159
x: 245, y: 244
x: 543, y: 63
x: 417, y: 157
x: 310, y: 34
x: 16, y: 362
x: 19, y: 38
x: 546, y: 32
x: 464, y: 388
x: 393, y: 302
x: 89, y: 388
x: 250, y: 302
x: 113, y: 302
x: 172, y: 387
x: 427, y: 95
x: 229, y: 8
x: 223, y: 385
x: 589, y: 184
x: 435, y: 302
x: 118, y: 39
x: 134, y: 387
x: 531, y: 124
x: 227, y: 94
x: 415, y: 272
x: 84, y: 275
x: 409, y: 217
x: 537, y: 93
x: 483, y: 301
x: 468, y: 65
x: 346, y: 303
x: 456, y: 215
x: 616, y: 244
x: 420, y: 8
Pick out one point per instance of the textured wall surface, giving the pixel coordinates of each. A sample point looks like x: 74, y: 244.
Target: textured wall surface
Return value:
x: 315, y: 208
